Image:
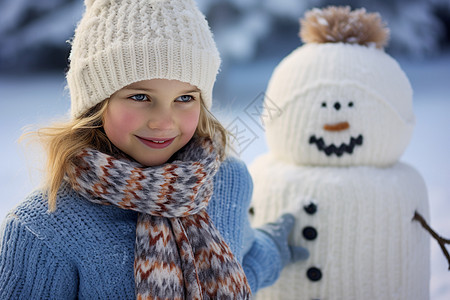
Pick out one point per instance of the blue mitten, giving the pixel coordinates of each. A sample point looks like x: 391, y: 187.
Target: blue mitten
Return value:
x: 279, y: 232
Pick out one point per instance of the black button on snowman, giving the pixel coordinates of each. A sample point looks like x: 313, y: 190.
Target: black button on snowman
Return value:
x: 310, y: 208
x: 314, y: 274
x: 333, y: 161
x: 310, y: 233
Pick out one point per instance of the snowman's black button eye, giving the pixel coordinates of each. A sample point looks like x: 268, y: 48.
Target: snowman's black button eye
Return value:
x: 324, y: 104
x: 350, y: 104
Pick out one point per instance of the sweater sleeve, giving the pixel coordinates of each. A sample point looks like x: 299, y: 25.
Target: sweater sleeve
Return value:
x: 29, y: 269
x: 229, y: 203
x: 229, y: 210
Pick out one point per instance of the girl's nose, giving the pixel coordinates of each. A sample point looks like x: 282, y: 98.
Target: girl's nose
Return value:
x: 336, y: 127
x: 160, y: 120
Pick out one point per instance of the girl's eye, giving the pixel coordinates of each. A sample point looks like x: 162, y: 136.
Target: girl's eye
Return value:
x: 185, y: 98
x: 139, y: 97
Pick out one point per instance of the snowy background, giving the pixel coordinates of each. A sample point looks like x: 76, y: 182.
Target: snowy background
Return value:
x: 253, y: 36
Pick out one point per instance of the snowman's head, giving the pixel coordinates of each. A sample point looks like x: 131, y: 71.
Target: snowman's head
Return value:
x: 342, y: 104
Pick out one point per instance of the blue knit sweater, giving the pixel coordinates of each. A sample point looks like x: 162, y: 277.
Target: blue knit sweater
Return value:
x: 86, y: 251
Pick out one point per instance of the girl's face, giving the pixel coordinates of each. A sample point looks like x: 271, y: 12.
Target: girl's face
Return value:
x: 150, y: 120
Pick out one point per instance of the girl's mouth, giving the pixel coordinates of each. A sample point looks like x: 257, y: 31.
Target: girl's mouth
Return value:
x: 156, y: 143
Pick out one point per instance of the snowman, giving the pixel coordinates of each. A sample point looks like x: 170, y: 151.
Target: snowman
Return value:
x: 345, y: 119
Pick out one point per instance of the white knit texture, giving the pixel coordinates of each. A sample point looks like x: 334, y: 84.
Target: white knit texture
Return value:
x: 367, y: 247
x: 345, y: 118
x: 121, y: 42
x: 368, y: 78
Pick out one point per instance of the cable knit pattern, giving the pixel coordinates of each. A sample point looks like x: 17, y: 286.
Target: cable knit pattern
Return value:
x: 85, y: 250
x: 120, y: 42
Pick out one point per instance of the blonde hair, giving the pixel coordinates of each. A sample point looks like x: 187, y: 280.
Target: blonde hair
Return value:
x: 208, y: 126
x: 62, y: 141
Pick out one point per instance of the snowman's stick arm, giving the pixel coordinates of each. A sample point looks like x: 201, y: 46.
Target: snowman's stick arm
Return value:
x: 442, y: 241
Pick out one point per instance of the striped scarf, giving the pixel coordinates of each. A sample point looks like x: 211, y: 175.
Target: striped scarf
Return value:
x: 179, y: 254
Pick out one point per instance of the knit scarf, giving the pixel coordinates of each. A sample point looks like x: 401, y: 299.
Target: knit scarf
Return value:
x: 179, y: 254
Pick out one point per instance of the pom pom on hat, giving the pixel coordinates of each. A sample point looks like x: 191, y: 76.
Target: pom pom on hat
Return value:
x: 118, y: 43
x: 341, y: 25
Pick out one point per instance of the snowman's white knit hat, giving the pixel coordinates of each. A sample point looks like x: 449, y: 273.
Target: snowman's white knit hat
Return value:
x: 121, y: 42
x: 337, y: 64
x: 333, y: 60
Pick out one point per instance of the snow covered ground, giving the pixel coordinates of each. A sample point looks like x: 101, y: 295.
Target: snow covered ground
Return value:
x: 35, y: 99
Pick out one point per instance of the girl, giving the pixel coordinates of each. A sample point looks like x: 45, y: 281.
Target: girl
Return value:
x: 128, y: 209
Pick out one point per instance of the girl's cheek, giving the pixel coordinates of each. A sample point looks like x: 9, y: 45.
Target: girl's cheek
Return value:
x: 119, y: 124
x: 191, y: 121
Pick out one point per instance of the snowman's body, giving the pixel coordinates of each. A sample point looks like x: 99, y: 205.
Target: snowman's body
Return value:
x: 345, y: 118
x: 356, y: 223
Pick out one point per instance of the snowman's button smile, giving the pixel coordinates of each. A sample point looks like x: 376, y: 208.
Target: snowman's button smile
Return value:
x: 333, y: 149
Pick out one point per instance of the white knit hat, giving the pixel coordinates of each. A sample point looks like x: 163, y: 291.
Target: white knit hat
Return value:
x: 119, y: 42
x: 372, y: 93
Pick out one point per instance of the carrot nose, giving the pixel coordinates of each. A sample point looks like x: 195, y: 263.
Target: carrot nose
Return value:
x: 336, y: 127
